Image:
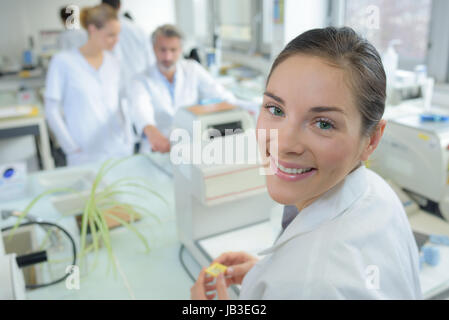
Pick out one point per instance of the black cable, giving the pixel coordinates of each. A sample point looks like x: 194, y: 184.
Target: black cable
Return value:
x: 49, y: 224
x: 183, y: 264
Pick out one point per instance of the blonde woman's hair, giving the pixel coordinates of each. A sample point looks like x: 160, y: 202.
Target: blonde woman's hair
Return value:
x: 98, y: 15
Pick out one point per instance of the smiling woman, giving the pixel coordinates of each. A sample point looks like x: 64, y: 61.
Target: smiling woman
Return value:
x: 346, y: 235
x: 325, y: 89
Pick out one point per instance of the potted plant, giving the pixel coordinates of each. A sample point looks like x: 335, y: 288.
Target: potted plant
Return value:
x: 103, y: 205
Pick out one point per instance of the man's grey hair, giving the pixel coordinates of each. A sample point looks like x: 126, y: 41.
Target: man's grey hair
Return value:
x: 168, y: 31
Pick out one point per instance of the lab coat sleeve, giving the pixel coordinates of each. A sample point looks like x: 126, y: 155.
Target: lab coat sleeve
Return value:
x: 55, y: 81
x: 54, y: 94
x: 58, y: 126
x: 142, y: 110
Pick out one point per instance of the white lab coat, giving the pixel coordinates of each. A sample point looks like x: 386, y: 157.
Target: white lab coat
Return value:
x: 354, y: 242
x: 91, y: 120
x: 72, y: 38
x: 152, y: 104
x: 133, y: 50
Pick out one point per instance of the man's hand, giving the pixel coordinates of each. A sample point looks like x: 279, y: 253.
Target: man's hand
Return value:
x: 159, y: 143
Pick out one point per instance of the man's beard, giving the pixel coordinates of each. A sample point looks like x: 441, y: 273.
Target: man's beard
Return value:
x: 165, y: 69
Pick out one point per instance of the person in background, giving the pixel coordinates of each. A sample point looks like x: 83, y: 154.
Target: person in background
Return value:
x: 133, y: 49
x: 82, y: 94
x: 168, y: 85
x: 133, y: 52
x: 70, y: 38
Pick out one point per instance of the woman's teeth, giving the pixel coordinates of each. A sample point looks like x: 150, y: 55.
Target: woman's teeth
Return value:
x: 293, y: 170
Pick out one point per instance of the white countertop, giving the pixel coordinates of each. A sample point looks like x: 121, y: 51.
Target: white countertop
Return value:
x: 157, y: 274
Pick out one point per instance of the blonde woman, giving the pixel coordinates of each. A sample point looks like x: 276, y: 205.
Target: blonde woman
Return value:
x: 82, y: 94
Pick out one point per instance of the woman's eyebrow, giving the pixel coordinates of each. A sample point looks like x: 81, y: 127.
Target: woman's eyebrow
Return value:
x: 325, y: 109
x: 274, y: 97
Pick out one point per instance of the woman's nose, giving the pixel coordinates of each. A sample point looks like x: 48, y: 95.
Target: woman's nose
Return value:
x: 291, y: 140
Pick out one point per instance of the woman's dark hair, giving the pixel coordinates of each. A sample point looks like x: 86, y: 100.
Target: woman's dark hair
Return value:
x: 113, y: 3
x: 345, y: 49
x: 64, y: 14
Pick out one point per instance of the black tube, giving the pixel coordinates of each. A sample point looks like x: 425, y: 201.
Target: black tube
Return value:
x: 32, y: 258
x: 49, y: 224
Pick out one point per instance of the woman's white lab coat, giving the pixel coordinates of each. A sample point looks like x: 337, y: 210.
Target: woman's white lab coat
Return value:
x: 91, y: 127
x: 354, y: 242
x: 151, y: 100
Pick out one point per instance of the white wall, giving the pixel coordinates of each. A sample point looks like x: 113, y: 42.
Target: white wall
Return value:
x: 149, y: 14
x: 20, y: 19
x: 299, y: 16
x: 302, y: 15
x: 192, y: 18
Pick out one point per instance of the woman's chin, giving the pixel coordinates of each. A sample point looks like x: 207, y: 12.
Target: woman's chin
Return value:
x: 282, y: 196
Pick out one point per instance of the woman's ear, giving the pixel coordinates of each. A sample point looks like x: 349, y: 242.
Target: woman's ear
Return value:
x: 374, y: 140
x: 91, y: 28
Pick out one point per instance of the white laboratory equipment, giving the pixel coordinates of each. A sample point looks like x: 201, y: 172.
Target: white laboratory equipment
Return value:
x: 12, y: 282
x: 72, y: 189
x: 414, y: 153
x: 220, y: 206
x: 13, y: 180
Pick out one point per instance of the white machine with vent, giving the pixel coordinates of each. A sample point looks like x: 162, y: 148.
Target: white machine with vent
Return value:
x: 12, y: 282
x: 415, y: 155
x: 220, y: 206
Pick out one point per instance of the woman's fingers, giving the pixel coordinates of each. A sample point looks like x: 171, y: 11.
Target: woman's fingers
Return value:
x: 210, y: 296
x: 197, y: 291
x: 211, y: 287
x: 208, y: 278
x: 222, y: 291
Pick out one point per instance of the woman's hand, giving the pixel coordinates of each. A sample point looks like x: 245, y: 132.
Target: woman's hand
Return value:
x: 202, y: 287
x: 238, y: 263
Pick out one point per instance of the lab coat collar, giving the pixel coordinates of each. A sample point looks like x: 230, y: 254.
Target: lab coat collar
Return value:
x: 329, y: 206
x: 179, y: 83
x: 178, y: 79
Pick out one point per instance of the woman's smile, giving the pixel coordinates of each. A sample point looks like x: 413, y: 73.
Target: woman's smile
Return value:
x: 289, y: 171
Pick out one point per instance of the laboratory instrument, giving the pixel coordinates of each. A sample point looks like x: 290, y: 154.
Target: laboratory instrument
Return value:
x: 414, y: 153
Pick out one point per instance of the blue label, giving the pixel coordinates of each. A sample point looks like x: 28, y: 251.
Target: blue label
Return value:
x: 8, y: 173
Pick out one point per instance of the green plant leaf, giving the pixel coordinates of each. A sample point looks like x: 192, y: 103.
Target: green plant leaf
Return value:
x: 131, y: 228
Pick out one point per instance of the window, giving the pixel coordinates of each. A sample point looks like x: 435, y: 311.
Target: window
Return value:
x: 244, y: 25
x: 382, y: 21
x: 235, y: 19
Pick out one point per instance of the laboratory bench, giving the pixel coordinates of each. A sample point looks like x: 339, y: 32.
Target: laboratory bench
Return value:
x: 15, y: 122
x: 157, y: 274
